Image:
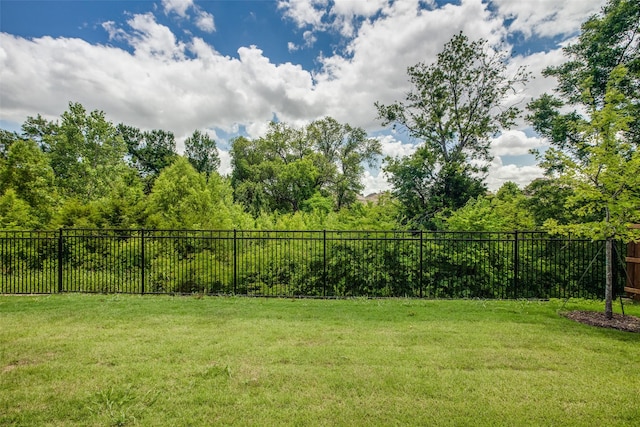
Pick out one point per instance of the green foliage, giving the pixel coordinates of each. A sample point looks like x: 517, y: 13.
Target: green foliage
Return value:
x: 289, y: 166
x: 82, y: 171
x: 73, y: 213
x: 87, y: 154
x: 6, y: 141
x: 342, y: 152
x: 180, y: 198
x: 124, y: 206
x: 149, y: 152
x: 606, y: 178
x: 507, y: 210
x: 27, y: 172
x: 546, y: 198
x: 202, y: 153
x: 16, y: 213
x: 84, y: 149
x: 608, y: 40
x: 453, y: 109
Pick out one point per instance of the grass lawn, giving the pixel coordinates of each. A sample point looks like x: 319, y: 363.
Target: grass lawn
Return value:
x: 165, y: 361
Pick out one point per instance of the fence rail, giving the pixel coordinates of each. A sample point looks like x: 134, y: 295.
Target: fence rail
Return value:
x: 305, y: 263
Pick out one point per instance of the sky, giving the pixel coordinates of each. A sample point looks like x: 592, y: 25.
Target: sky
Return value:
x: 229, y: 67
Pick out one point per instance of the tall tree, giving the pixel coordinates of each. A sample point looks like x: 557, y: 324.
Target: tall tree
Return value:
x: 149, y: 152
x: 273, y: 173
x: 594, y: 148
x: 454, y: 108
x: 605, y: 177
x: 546, y: 198
x: 343, y: 150
x: 84, y: 149
x: 28, y: 173
x: 202, y: 153
x: 607, y: 40
x: 288, y: 166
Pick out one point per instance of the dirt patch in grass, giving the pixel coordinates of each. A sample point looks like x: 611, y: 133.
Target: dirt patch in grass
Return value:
x: 596, y: 318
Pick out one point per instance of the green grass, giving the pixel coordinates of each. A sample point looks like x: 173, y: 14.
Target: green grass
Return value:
x: 131, y: 360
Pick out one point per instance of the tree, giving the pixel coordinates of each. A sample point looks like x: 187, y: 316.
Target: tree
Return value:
x: 28, y: 173
x: 182, y: 198
x: 454, y: 108
x: 342, y: 151
x: 594, y: 149
x: 607, y: 40
x: 124, y: 206
x: 149, y: 152
x: 605, y: 177
x: 6, y: 140
x: 273, y: 173
x: 202, y: 153
x: 41, y: 130
x: 179, y: 198
x: 288, y: 166
x: 15, y: 213
x: 84, y: 150
x: 546, y: 198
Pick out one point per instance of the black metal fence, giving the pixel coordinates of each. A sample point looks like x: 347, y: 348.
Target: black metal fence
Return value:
x: 305, y: 263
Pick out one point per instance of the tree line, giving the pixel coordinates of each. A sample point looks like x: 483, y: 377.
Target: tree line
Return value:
x: 84, y: 171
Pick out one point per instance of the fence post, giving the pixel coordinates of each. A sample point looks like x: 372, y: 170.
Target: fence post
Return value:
x: 60, y: 260
x: 324, y: 263
x: 143, y: 261
x: 235, y: 259
x: 516, y: 266
x: 421, y: 266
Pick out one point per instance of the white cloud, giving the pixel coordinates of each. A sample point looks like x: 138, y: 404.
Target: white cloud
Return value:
x: 547, y: 18
x: 500, y: 173
x: 393, y: 148
x: 204, y: 21
x: 309, y: 38
x: 374, y: 183
x: 225, y: 162
x: 179, y: 7
x: 149, y: 38
x: 535, y: 64
x: 304, y: 12
x: 153, y: 87
x: 345, y: 12
x: 515, y: 143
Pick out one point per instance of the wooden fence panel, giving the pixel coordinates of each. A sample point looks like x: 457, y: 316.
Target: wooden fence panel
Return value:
x: 633, y: 269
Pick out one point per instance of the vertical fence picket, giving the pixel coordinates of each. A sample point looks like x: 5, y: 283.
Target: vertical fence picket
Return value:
x: 516, y: 263
x: 142, y: 262
x: 60, y: 259
x: 235, y: 260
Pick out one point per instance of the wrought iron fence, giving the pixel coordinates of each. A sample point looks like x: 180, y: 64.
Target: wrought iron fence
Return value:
x: 305, y: 263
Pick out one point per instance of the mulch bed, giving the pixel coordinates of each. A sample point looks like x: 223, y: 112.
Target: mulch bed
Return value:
x: 597, y: 318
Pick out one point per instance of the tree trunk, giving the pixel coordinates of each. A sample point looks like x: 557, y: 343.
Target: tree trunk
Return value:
x: 608, y: 291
